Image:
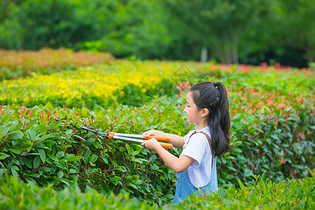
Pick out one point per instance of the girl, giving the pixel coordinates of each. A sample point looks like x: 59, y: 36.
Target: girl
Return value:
x: 207, y: 106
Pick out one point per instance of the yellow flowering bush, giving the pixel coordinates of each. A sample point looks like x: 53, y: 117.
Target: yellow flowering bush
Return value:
x: 98, y: 84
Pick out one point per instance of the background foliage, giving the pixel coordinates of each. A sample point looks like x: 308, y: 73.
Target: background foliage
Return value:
x: 235, y: 31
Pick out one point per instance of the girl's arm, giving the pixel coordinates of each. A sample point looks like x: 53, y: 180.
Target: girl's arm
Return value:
x: 176, y: 164
x: 176, y: 140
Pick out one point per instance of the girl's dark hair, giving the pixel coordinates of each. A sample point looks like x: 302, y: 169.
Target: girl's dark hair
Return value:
x: 213, y: 96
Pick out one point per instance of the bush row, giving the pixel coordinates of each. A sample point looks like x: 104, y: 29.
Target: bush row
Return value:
x: 292, y: 194
x: 45, y: 145
x: 135, y: 82
x: 102, y: 85
x: 16, y: 64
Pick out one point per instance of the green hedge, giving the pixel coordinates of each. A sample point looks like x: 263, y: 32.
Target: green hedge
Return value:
x: 45, y: 145
x: 290, y: 194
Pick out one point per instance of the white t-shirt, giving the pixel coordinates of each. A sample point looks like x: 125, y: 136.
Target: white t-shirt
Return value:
x: 199, y: 172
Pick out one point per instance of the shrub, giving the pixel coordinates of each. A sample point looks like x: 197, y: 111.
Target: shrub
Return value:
x: 291, y: 194
x: 92, y: 87
x: 16, y: 64
x: 45, y: 145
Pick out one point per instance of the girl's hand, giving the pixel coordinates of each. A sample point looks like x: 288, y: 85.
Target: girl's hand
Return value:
x: 151, y: 144
x: 152, y: 132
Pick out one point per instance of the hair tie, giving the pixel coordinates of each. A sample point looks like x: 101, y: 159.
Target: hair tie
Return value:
x: 215, y: 85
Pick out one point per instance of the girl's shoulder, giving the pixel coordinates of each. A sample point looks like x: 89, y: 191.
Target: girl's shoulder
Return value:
x: 199, y: 136
x: 205, y: 131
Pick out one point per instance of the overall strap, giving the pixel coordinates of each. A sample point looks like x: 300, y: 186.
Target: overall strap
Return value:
x: 209, y: 141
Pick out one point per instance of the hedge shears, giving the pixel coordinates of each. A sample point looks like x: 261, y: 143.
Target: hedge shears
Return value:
x: 132, y: 137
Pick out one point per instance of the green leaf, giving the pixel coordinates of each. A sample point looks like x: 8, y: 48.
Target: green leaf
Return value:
x: 40, y: 137
x: 60, y: 154
x: 135, y: 152
x: 42, y: 155
x: 121, y: 168
x: 115, y: 178
x: 54, y: 124
x: 72, y: 171
x: 14, y: 173
x: 49, y: 107
x: 77, y: 136
x: 30, y: 125
x: 248, y: 172
x: 54, y: 158
x: 13, y: 125
x: 128, y: 149
x: 75, y: 158
x: 3, y: 156
x: 27, y: 162
x: 60, y: 174
x: 51, y: 135
x: 133, y: 186
x: 4, y: 131
x: 90, y: 141
x: 16, y: 135
x: 154, y: 167
x: 69, y: 131
x: 105, y: 160
x: 222, y: 193
x: 67, y: 183
x: 34, y: 175
x: 32, y: 134
x: 36, y: 162
x: 93, y: 158
x: 84, y: 111
x: 61, y: 165
x: 16, y: 151
x: 241, y: 184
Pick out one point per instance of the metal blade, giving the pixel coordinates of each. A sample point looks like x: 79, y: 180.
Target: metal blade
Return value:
x: 94, y: 131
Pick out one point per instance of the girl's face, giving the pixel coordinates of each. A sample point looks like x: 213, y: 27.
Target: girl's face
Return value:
x: 193, y: 114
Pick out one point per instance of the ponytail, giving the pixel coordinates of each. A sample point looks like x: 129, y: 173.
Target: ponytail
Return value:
x: 223, y: 131
x: 213, y: 96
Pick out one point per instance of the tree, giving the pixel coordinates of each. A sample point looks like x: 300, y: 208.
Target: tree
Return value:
x: 296, y: 25
x: 130, y: 27
x: 36, y: 24
x: 218, y: 24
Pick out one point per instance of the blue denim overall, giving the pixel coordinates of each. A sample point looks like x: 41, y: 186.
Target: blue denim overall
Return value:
x: 184, y: 187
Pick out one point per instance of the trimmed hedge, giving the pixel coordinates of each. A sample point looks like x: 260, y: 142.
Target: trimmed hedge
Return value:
x: 290, y: 194
x: 45, y: 145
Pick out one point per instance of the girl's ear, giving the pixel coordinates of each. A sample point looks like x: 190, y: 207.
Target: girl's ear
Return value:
x: 205, y: 112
